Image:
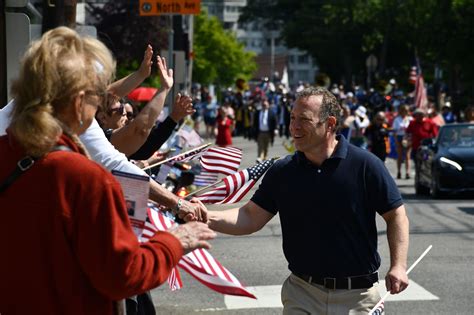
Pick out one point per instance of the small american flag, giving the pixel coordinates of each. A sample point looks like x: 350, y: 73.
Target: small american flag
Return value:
x: 205, y: 178
x: 161, y: 223
x: 237, y: 185
x: 191, y: 154
x: 199, y: 263
x: 379, y: 310
x: 224, y: 160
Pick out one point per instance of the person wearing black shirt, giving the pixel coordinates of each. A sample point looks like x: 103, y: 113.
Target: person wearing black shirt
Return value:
x: 327, y: 195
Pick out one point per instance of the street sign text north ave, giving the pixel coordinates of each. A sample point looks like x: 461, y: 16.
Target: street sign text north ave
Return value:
x: 163, y: 7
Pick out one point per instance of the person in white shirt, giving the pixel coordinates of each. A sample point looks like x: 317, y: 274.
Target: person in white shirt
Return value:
x: 104, y: 153
x: 399, y: 125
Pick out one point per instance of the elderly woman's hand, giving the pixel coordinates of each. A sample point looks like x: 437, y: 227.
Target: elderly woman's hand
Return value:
x: 193, y: 235
x: 183, y: 106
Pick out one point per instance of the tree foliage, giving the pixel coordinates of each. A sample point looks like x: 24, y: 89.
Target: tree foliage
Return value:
x: 127, y: 34
x: 340, y: 34
x: 218, y: 57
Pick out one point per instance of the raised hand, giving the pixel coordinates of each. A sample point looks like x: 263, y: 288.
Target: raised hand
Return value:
x: 145, y: 66
x: 183, y: 106
x: 193, y: 235
x: 166, y: 75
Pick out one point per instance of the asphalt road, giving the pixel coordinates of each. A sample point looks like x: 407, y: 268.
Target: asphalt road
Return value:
x: 442, y: 283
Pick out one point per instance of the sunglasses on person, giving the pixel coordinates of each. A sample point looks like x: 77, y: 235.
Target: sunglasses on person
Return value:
x: 130, y: 115
x: 119, y: 110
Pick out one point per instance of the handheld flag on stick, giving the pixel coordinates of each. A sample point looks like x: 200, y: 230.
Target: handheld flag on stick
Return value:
x: 199, y: 263
x: 224, y: 160
x: 185, y: 156
x: 379, y: 306
x: 237, y: 185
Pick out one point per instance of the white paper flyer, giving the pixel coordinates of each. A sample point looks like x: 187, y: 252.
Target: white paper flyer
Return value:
x: 135, y: 189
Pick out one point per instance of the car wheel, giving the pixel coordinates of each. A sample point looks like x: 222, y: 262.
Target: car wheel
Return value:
x: 434, y: 189
x: 419, y: 188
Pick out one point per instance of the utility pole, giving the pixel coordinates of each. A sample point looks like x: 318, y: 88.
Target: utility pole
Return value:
x: 3, y: 57
x: 58, y: 13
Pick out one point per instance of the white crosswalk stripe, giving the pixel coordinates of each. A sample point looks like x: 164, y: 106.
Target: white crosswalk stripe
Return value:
x: 269, y: 296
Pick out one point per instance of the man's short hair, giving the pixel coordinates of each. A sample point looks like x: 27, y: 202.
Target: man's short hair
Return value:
x: 329, y: 104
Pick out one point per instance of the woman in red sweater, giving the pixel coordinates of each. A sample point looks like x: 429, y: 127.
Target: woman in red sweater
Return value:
x: 64, y: 231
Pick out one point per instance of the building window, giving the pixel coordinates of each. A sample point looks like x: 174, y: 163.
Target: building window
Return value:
x: 303, y: 75
x: 303, y: 59
x: 292, y: 59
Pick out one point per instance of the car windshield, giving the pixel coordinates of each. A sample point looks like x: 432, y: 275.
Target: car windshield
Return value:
x: 457, y: 136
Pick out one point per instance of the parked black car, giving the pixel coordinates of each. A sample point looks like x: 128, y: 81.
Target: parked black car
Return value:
x: 446, y: 164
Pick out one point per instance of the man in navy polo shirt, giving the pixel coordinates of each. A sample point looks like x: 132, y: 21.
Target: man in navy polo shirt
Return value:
x: 327, y: 195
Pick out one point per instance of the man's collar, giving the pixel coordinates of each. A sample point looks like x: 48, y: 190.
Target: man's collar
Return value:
x: 340, y: 152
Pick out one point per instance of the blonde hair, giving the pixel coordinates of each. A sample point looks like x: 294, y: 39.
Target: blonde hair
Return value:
x: 53, y: 71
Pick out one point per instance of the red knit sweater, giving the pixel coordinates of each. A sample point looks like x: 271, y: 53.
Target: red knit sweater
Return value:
x: 66, y: 242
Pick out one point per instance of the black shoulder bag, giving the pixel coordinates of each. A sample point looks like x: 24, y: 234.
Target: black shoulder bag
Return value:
x: 23, y: 165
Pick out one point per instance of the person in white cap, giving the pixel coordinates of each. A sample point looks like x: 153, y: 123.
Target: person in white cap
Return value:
x: 359, y: 124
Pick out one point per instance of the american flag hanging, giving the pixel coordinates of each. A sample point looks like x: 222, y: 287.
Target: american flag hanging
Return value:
x: 224, y: 160
x: 421, y: 98
x: 199, y: 263
x: 237, y: 185
x: 413, y: 75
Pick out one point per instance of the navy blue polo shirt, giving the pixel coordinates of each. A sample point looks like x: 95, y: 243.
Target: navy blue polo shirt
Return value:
x: 327, y: 212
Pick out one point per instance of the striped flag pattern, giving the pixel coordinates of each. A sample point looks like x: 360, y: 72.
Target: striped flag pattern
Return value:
x: 224, y: 160
x: 421, y: 98
x: 379, y: 310
x: 190, y: 155
x: 205, y: 178
x: 237, y: 185
x: 199, y: 263
x: 413, y: 75
x: 161, y: 223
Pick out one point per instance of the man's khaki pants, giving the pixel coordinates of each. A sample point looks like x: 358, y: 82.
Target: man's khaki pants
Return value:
x: 299, y: 297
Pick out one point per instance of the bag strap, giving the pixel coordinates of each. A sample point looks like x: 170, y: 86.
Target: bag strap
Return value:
x: 25, y: 164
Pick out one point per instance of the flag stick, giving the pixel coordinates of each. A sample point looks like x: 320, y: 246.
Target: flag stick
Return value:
x: 176, y: 156
x: 204, y: 188
x: 218, y: 182
x: 408, y: 271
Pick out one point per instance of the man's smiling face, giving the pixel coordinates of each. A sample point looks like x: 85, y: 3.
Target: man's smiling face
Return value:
x: 307, y: 130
